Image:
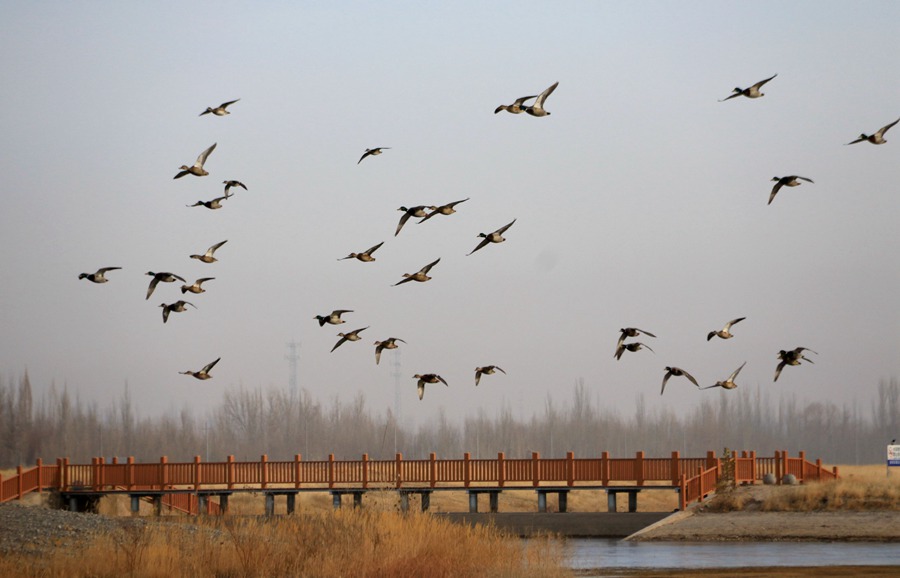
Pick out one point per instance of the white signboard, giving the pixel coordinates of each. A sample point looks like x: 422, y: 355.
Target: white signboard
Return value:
x: 893, y: 455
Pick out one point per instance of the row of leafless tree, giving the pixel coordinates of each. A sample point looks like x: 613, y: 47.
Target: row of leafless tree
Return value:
x: 251, y: 422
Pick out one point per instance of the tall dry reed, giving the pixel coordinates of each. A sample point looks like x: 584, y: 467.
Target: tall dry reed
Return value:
x: 363, y: 543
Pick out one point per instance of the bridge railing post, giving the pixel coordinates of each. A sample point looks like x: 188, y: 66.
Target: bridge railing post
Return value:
x: 164, y: 472
x: 129, y: 472
x: 467, y: 469
x: 754, y: 467
x: 229, y: 475
x: 95, y: 475
x: 197, y: 480
x: 802, y: 476
x: 570, y: 469
x: 64, y: 474
x: 536, y: 469
x: 398, y: 465
x: 674, y: 467
x: 432, y: 469
x: 639, y: 468
x: 604, y: 468
x: 819, y: 469
x: 682, y: 493
x: 19, y: 488
x: 297, y: 470
x: 264, y: 467
x: 701, y: 485
x: 40, y: 476
x: 330, y: 470
x: 501, y: 469
x: 59, y: 470
x: 365, y: 470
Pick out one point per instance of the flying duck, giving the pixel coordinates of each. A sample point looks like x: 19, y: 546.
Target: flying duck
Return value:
x: 752, y: 92
x: 878, y: 137
x: 790, y: 181
x: 447, y: 209
x: 630, y: 332
x: 372, y: 152
x: 334, y: 318
x: 352, y: 336
x: 213, y: 204
x: 203, y: 373
x: 365, y: 256
x: 418, y: 211
x: 427, y: 378
x: 486, y: 370
x: 725, y: 333
x: 495, y: 237
x: 219, y: 110
x: 208, y: 256
x: 161, y: 277
x: 177, y: 307
x: 791, y: 357
x: 389, y: 343
x: 421, y: 276
x: 99, y: 276
x: 728, y: 383
x: 197, y: 169
x: 516, y: 107
x: 196, y: 288
x: 537, y: 109
x: 229, y: 184
x: 676, y: 371
x: 636, y: 346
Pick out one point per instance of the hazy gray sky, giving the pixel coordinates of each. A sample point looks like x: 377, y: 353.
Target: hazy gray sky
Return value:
x: 641, y: 201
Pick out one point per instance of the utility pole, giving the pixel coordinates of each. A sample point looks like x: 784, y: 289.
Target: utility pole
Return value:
x: 293, y: 358
x: 397, y: 408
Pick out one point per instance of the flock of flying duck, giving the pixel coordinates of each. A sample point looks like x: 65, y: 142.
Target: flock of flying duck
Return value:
x: 792, y: 357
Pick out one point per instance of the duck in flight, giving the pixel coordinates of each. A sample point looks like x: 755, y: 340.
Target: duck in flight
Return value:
x: 352, y: 336
x: 196, y: 287
x: 203, y: 373
x: 177, y: 307
x: 636, y: 346
x: 677, y: 372
x: 427, y: 378
x: 365, y: 256
x: 158, y: 278
x: 537, y: 109
x: 419, y: 211
x: 495, y: 237
x: 515, y: 108
x: 728, y: 383
x: 421, y: 275
x: 751, y: 92
x: 447, y: 209
x: 725, y: 332
x: 213, y: 204
x: 197, y: 169
x: 219, y: 110
x: 630, y: 332
x: 229, y: 184
x: 208, y: 256
x: 372, y: 152
x: 389, y: 343
x: 789, y: 181
x: 791, y: 357
x: 99, y: 276
x: 486, y: 370
x: 334, y: 318
x: 878, y: 137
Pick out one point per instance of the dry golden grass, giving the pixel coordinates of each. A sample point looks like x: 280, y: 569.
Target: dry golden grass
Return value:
x: 860, y: 488
x: 352, y: 542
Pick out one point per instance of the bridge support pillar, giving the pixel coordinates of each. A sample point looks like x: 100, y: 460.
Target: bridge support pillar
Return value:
x: 473, y: 503
x: 542, y: 501
x: 135, y: 505
x: 610, y: 501
x: 157, y: 505
x: 202, y: 504
x: 270, y: 505
x: 404, y: 502
x: 291, y: 503
x: 632, y: 501
x: 336, y: 501
x: 357, y: 499
x: 73, y: 504
x: 223, y: 504
x: 426, y: 501
x: 563, y: 501
x: 494, y: 501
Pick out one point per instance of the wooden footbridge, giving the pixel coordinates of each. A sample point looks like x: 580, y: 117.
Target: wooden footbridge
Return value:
x: 204, y: 487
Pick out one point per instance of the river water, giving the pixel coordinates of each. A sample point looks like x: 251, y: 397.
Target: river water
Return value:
x: 586, y: 554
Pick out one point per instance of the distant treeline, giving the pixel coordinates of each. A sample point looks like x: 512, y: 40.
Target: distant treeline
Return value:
x: 252, y: 422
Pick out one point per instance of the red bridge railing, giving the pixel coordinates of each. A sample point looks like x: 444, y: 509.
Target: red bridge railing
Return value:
x: 695, y: 478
